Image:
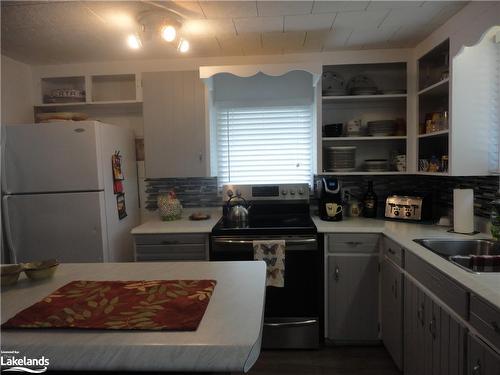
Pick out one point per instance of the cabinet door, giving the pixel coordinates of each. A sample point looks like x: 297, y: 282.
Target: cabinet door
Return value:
x: 482, y: 359
x: 434, y: 339
x: 353, y: 298
x: 174, y: 124
x: 391, y: 284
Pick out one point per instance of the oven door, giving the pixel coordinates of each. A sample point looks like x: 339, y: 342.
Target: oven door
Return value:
x: 292, y: 313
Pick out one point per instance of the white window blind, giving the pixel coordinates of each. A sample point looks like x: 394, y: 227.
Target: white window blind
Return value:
x: 264, y: 144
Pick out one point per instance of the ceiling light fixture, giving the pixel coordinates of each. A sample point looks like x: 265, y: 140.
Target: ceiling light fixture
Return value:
x: 168, y: 33
x: 134, y: 42
x: 183, y: 46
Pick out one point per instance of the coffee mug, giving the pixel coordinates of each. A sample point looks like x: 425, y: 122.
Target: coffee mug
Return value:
x: 333, y: 209
x: 353, y: 126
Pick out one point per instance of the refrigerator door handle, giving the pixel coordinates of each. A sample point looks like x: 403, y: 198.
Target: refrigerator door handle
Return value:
x: 8, y: 231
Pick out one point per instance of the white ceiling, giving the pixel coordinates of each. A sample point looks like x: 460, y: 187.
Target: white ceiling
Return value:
x: 59, y: 32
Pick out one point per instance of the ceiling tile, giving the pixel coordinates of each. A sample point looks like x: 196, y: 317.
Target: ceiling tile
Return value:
x: 258, y: 24
x: 243, y: 43
x: 370, y: 38
x: 228, y: 9
x: 315, y: 40
x: 284, y: 8
x: 189, y: 9
x: 211, y: 27
x: 374, y: 5
x: 204, y: 46
x: 338, y: 6
x: 404, y: 17
x: 337, y: 38
x: 364, y: 20
x: 309, y: 22
x: 285, y: 41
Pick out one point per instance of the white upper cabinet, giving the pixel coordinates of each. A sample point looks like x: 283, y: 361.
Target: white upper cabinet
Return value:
x: 174, y: 125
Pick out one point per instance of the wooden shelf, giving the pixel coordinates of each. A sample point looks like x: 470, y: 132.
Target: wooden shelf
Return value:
x: 367, y: 138
x: 356, y: 98
x: 434, y: 134
x: 362, y: 173
x: 437, y: 88
x: 83, y: 104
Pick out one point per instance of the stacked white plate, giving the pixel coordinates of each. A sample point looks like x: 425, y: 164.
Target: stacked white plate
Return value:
x: 383, y: 128
x: 341, y: 159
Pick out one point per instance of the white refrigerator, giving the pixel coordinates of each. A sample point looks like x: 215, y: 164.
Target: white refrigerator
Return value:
x: 58, y: 197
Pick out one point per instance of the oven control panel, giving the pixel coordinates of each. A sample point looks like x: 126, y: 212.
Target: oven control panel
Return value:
x: 268, y: 192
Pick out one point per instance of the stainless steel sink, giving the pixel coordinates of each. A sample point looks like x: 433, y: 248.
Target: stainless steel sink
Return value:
x: 459, y: 251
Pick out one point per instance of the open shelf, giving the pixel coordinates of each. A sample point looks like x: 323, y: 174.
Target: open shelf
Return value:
x: 364, y: 173
x: 434, y: 134
x: 89, y: 104
x: 438, y: 88
x: 433, y: 173
x: 356, y: 98
x: 367, y: 138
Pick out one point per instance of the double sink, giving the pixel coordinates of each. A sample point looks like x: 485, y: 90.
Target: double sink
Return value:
x: 462, y: 252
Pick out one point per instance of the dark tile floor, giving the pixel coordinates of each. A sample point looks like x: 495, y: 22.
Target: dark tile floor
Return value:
x: 370, y: 360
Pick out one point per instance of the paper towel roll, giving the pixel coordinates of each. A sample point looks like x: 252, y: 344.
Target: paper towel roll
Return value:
x: 463, y: 210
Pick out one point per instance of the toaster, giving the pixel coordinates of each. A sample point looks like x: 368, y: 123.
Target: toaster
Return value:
x: 408, y: 207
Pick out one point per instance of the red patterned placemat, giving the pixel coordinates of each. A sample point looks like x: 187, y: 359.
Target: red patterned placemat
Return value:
x: 146, y: 305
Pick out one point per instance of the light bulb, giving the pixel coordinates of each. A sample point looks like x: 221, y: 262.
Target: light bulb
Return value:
x: 168, y: 33
x: 183, y: 46
x: 134, y: 41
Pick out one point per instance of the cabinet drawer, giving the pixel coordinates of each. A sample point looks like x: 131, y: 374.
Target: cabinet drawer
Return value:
x: 486, y: 319
x: 442, y: 286
x: 353, y: 243
x: 393, y: 251
x: 169, y: 239
x: 151, y: 253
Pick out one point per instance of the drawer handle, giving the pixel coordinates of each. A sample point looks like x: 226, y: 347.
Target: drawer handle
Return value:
x: 391, y: 251
x: 432, y: 327
x: 354, y: 243
x: 337, y: 273
x: 496, y: 327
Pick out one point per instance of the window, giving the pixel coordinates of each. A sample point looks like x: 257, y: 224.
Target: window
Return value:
x: 258, y: 145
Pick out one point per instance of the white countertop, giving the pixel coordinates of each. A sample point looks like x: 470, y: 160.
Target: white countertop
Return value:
x: 484, y: 285
x: 154, y: 225
x: 227, y: 339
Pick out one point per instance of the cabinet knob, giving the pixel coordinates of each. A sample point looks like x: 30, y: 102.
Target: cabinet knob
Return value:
x: 391, y: 251
x: 337, y: 273
x: 200, y: 156
x: 496, y: 327
x: 432, y: 327
x: 476, y: 370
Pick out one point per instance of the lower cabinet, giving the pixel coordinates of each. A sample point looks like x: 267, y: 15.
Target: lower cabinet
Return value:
x: 171, y: 247
x: 482, y: 360
x: 391, y: 299
x: 434, y: 341
x: 353, y: 298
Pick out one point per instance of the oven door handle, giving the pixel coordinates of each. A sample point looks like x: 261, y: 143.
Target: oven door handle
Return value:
x: 292, y: 324
x: 295, y: 242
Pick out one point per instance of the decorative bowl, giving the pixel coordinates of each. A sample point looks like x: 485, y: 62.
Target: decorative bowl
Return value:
x: 41, y: 270
x: 10, y: 274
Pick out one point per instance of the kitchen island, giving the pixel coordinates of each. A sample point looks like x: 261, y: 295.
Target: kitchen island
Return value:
x: 227, y: 340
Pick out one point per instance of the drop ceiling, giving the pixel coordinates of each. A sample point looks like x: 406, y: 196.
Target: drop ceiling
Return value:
x: 61, y: 32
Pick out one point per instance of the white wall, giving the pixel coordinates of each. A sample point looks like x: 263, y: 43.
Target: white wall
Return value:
x: 17, y: 88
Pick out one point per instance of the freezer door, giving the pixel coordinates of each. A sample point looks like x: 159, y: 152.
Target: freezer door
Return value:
x: 69, y: 227
x: 53, y: 157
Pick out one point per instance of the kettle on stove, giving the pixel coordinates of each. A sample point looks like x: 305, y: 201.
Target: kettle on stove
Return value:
x: 237, y: 213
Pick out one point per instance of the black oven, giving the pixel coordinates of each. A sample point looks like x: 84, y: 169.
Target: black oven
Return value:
x: 293, y: 315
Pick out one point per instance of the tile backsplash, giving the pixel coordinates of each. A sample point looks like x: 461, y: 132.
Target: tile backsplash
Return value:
x: 484, y: 187
x: 191, y: 191
x: 203, y: 191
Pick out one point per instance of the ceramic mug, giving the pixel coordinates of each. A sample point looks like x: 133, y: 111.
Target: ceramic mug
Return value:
x: 333, y: 209
x: 353, y: 126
